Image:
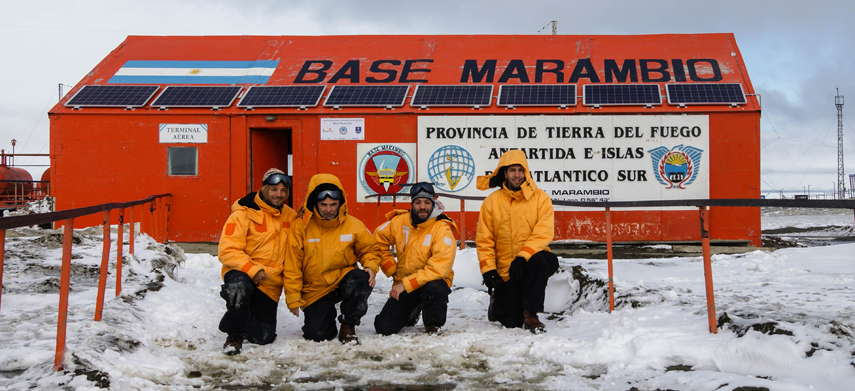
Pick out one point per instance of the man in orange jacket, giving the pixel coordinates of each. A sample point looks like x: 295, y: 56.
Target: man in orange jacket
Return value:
x: 423, y: 238
x: 515, y: 227
x: 320, y: 264
x: 252, y: 251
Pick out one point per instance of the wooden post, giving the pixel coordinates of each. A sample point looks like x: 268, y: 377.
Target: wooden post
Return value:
x: 609, y: 255
x: 64, y: 282
x: 105, y: 261
x: 119, y: 243
x: 705, y: 240
x: 2, y: 256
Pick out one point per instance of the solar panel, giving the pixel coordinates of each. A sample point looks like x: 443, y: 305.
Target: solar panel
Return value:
x: 621, y: 94
x: 384, y: 96
x: 112, y: 96
x: 192, y: 96
x: 537, y: 95
x: 282, y: 96
x: 705, y: 94
x: 452, y: 95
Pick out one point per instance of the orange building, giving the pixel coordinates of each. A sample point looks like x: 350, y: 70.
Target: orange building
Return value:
x: 620, y: 118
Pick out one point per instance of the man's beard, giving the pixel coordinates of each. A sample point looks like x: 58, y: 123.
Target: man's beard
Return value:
x: 510, y: 185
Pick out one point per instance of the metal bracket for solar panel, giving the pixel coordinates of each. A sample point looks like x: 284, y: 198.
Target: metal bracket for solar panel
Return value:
x: 648, y: 106
x: 564, y: 107
x: 734, y: 105
x: 476, y: 107
x: 509, y: 107
x: 164, y: 108
x: 302, y: 108
x: 597, y: 106
x: 249, y: 108
x: 129, y: 108
x: 682, y: 105
x: 216, y: 108
x: 76, y: 108
x: 424, y: 108
x: 389, y: 107
x: 335, y: 108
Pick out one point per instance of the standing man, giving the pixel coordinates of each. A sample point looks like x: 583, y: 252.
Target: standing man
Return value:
x: 252, y: 251
x: 320, y: 264
x: 424, y: 242
x: 515, y: 227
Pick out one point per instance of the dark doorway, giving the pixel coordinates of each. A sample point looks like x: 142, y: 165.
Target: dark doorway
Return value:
x: 269, y: 148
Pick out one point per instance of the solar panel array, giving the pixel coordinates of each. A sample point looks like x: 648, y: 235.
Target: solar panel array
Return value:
x: 184, y: 96
x: 385, y: 96
x: 452, y: 95
x: 563, y: 95
x: 621, y: 94
x: 112, y: 96
x: 282, y: 96
x: 537, y: 95
x: 705, y: 94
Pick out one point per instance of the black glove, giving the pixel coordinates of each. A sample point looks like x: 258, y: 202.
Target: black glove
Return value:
x: 492, y: 279
x: 515, y: 272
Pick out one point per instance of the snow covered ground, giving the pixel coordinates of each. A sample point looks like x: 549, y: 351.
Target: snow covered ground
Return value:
x: 789, y: 325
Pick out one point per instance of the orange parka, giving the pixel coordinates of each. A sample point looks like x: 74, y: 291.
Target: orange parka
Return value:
x: 512, y: 223
x: 425, y: 252
x: 254, y: 239
x: 320, y: 252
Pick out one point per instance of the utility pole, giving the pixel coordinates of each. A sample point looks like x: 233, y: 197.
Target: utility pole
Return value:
x: 554, y: 24
x: 841, y: 185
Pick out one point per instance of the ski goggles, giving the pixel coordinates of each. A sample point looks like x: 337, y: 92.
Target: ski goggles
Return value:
x: 422, y: 187
x: 276, y: 179
x: 334, y: 194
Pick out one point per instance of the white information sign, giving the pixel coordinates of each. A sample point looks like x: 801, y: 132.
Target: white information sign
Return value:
x: 342, y: 128
x: 574, y: 158
x: 183, y: 133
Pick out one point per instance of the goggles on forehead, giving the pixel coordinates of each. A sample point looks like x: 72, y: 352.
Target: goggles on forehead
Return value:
x: 422, y: 187
x: 334, y: 194
x: 276, y: 179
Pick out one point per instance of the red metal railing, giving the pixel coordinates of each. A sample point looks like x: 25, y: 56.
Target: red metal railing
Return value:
x: 17, y: 194
x: 157, y: 227
x: 704, y: 214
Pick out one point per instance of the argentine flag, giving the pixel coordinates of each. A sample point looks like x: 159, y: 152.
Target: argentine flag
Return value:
x: 194, y: 72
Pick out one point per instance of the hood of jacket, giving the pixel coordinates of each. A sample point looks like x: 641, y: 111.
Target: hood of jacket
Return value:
x: 253, y: 201
x: 318, y: 183
x: 497, y: 178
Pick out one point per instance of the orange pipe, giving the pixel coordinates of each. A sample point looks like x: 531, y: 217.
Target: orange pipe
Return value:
x: 64, y: 282
x: 705, y: 240
x: 131, y: 230
x: 105, y: 260
x: 609, y: 254
x: 462, y: 224
x: 2, y: 256
x: 119, y: 244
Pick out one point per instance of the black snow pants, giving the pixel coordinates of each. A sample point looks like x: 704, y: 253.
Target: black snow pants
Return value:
x: 527, y: 294
x: 250, y: 313
x: 352, y: 292
x: 431, y: 299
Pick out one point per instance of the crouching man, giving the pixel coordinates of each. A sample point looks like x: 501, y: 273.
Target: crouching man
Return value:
x: 423, y: 238
x: 515, y: 227
x: 324, y: 247
x: 252, y: 251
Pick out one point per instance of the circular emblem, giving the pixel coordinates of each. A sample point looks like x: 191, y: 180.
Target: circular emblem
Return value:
x: 451, y: 168
x: 384, y: 169
x: 343, y: 130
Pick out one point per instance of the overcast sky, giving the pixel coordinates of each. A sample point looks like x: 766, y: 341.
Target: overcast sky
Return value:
x: 797, y: 53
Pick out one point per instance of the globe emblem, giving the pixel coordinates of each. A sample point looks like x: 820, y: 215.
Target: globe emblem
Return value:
x: 451, y: 168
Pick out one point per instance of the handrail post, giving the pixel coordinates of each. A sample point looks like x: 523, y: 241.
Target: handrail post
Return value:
x: 2, y: 257
x: 609, y: 256
x: 119, y: 244
x: 64, y: 282
x: 105, y: 260
x: 156, y: 223
x: 166, y: 211
x: 377, y: 219
x: 131, y: 230
x: 462, y: 224
x: 705, y: 240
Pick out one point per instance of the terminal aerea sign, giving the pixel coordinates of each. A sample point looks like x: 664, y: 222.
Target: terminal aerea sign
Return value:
x: 578, y: 158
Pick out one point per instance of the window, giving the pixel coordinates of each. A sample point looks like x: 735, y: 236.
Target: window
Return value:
x: 182, y: 161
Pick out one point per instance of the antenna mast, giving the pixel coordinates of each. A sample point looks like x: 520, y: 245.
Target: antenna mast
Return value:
x: 841, y: 185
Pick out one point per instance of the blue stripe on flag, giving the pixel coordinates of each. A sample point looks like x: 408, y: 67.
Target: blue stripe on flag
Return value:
x: 201, y: 64
x: 189, y: 79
